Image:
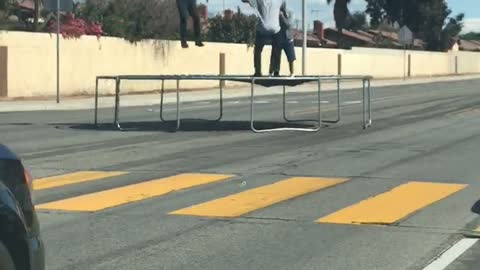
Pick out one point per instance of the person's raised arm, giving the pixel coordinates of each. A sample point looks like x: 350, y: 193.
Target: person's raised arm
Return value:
x: 285, y: 17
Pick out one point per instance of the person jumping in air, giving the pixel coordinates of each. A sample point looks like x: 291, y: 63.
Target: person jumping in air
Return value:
x: 268, y: 27
x: 286, y: 40
x: 185, y: 8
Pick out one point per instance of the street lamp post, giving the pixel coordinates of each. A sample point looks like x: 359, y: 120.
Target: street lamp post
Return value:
x: 304, y: 26
x: 58, y: 51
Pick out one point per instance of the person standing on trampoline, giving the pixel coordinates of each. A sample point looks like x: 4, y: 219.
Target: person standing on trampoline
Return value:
x: 185, y: 8
x: 268, y: 29
x: 286, y: 42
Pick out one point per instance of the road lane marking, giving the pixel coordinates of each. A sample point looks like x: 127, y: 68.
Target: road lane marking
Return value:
x: 254, y: 199
x: 352, y: 102
x: 392, y: 206
x: 453, y: 253
x: 72, y: 178
x: 132, y: 193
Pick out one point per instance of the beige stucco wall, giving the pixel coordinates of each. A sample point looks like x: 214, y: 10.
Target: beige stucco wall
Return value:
x: 31, y: 62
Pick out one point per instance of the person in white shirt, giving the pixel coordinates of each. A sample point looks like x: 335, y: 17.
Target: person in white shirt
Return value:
x: 268, y: 29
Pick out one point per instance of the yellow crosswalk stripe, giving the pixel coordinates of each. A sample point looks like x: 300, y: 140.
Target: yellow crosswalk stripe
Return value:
x: 248, y: 201
x: 72, y: 178
x: 394, y: 205
x: 132, y: 193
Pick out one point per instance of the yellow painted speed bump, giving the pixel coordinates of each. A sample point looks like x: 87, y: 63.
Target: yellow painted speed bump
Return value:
x: 394, y: 205
x: 248, y: 201
x: 72, y: 178
x: 132, y: 193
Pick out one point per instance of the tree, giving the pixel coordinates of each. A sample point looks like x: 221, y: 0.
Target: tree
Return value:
x: 471, y: 36
x: 452, y: 29
x: 10, y: 16
x: 428, y: 19
x: 404, y: 12
x: 357, y: 21
x: 375, y: 8
x: 340, y: 14
x: 239, y: 29
x: 134, y: 20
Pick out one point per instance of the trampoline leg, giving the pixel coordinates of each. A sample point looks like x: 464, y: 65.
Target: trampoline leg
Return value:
x: 285, y: 110
x: 364, y: 104
x: 221, y: 102
x: 285, y: 107
x: 162, y: 93
x: 339, y: 108
x: 178, y: 104
x: 369, y: 104
x: 117, y: 103
x: 285, y: 104
x: 319, y: 106
x: 96, y: 103
x: 339, y: 102
x: 252, y: 115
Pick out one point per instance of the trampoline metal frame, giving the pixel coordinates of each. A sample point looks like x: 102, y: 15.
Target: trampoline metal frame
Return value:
x: 366, y: 93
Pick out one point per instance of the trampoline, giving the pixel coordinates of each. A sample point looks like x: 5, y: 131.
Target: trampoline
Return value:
x: 253, y: 81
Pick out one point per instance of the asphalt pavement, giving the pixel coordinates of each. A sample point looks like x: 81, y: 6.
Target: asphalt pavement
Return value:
x: 215, y: 195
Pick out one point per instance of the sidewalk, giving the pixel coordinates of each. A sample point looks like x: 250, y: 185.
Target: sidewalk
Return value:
x: 131, y: 100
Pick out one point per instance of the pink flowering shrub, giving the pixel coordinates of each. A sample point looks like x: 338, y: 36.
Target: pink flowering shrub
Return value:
x: 72, y: 27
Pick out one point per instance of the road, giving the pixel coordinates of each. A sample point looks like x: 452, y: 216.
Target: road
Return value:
x: 217, y: 196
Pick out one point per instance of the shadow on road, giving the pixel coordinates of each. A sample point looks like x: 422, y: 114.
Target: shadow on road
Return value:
x: 186, y: 125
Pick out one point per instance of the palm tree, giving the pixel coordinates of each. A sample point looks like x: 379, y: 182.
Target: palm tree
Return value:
x: 340, y: 14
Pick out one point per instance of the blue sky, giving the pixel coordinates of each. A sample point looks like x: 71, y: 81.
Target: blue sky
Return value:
x: 318, y: 9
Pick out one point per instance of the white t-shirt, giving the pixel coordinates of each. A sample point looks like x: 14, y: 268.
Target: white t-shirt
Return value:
x: 268, y: 11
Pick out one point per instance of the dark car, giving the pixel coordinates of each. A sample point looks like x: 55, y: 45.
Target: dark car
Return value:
x: 21, y: 247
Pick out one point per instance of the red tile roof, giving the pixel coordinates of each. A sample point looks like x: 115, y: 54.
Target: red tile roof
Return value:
x: 468, y: 45
x: 27, y: 4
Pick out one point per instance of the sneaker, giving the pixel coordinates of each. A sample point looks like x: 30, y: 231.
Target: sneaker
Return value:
x: 199, y: 43
x: 184, y: 44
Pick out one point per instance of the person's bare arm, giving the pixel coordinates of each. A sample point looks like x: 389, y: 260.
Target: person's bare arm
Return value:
x: 284, y: 19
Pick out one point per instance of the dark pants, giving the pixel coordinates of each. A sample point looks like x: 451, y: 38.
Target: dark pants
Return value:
x: 289, y: 49
x: 185, y: 8
x: 262, y: 39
